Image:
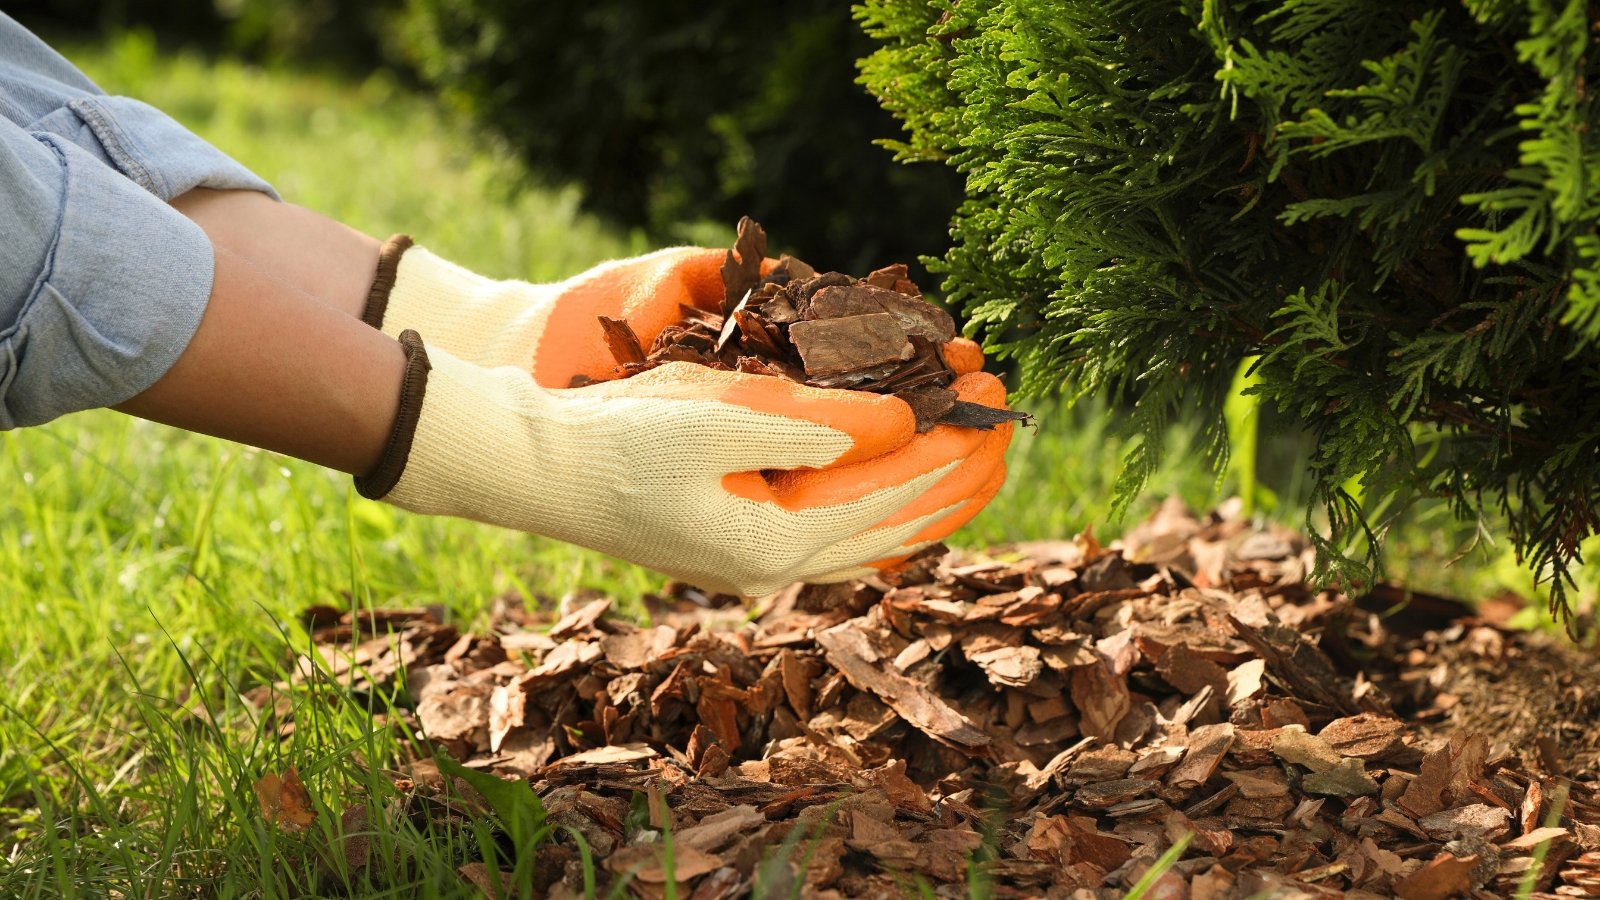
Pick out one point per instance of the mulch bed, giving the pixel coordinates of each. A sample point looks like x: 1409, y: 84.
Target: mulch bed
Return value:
x: 1048, y: 719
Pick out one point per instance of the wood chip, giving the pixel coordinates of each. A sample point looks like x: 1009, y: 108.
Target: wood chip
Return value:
x: 1207, y: 745
x: 621, y: 340
x: 856, y: 344
x: 1295, y: 746
x: 1367, y: 735
x: 1444, y: 876
x: 848, y: 650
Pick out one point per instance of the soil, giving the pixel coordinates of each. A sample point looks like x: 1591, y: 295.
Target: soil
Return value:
x: 1048, y: 719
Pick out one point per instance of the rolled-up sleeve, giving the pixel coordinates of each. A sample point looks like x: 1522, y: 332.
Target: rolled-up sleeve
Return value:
x: 102, y: 283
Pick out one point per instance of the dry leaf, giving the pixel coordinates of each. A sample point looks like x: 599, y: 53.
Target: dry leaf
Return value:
x: 285, y: 802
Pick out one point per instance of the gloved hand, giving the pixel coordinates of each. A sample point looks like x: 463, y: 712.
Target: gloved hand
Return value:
x: 737, y: 483
x: 503, y: 323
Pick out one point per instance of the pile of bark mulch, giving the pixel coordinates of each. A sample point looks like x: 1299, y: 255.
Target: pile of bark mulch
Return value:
x: 826, y: 330
x: 1049, y: 719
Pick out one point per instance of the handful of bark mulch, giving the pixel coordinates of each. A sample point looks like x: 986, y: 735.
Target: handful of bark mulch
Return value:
x: 829, y: 330
x: 1046, y: 721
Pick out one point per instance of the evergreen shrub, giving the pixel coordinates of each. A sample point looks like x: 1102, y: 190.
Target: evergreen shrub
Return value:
x: 1391, y: 205
x: 671, y: 111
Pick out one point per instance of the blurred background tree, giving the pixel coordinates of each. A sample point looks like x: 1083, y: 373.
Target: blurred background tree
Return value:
x: 672, y: 111
x: 341, y: 33
x: 674, y: 117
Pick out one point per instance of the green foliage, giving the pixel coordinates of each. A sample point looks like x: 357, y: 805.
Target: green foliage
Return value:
x: 670, y: 112
x: 1393, y: 204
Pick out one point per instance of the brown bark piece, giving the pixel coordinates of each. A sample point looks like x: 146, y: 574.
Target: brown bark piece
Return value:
x: 888, y: 277
x: 1347, y: 779
x: 847, y: 649
x: 930, y: 404
x: 1258, y: 783
x: 1425, y: 794
x: 580, y: 619
x: 1101, y: 698
x: 839, y: 346
x: 1366, y: 735
x: 647, y: 863
x: 506, y: 708
x: 714, y: 832
x: 622, y: 341
x: 285, y: 802
x: 984, y: 418
x: 741, y: 273
x: 1444, y: 876
x: 1189, y: 671
x: 1207, y: 745
x: 759, y: 338
x: 1478, y: 820
x: 915, y: 316
x: 797, y: 673
x: 1295, y: 746
x: 752, y: 365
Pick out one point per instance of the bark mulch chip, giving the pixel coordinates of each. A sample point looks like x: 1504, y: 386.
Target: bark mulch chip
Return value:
x: 1049, y: 717
x: 825, y: 330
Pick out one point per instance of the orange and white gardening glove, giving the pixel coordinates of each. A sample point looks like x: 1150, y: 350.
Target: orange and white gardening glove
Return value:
x: 736, y: 483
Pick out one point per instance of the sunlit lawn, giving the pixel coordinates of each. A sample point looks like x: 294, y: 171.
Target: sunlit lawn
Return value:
x: 144, y: 571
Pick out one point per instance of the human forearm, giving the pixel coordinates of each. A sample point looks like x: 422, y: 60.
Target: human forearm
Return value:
x: 276, y: 363
x: 304, y: 250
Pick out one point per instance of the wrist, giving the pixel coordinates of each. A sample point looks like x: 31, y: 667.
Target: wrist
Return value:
x: 477, y: 319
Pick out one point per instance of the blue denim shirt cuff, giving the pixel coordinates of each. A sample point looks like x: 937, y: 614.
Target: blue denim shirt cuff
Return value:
x: 124, y: 284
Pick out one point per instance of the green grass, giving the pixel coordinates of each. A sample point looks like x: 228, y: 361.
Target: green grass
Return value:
x: 146, y: 573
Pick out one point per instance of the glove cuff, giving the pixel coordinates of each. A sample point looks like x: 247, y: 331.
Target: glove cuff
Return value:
x: 376, y: 484
x: 384, y: 278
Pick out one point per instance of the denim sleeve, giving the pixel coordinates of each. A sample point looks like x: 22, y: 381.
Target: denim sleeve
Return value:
x: 102, y: 284
x: 42, y: 92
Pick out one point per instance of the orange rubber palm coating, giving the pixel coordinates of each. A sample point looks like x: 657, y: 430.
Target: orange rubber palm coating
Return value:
x: 944, y: 527
x: 963, y: 356
x: 646, y: 293
x: 809, y: 489
x: 948, y: 525
x: 979, y: 464
x: 963, y: 482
